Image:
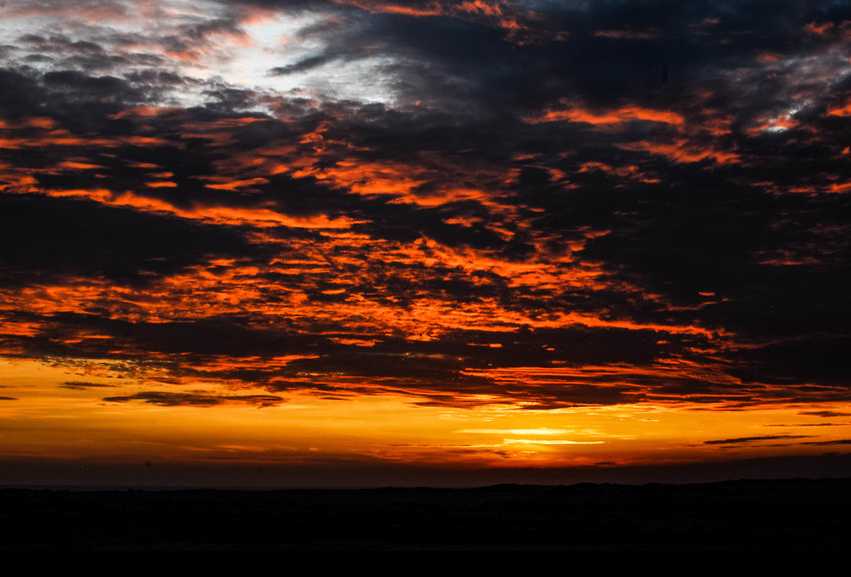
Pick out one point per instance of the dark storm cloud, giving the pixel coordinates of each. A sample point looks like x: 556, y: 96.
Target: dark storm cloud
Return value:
x: 168, y: 343
x: 821, y: 359
x: 80, y: 86
x: 707, y: 235
x: 45, y: 238
x: 19, y: 94
x: 82, y: 101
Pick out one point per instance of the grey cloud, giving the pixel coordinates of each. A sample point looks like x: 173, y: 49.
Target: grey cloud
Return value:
x: 195, y: 399
x: 741, y: 440
x: 83, y: 385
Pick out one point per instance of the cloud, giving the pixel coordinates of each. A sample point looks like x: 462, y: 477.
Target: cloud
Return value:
x: 832, y: 442
x: 165, y: 399
x: 51, y: 238
x: 749, y: 440
x: 83, y: 385
x: 826, y: 414
x: 302, y: 65
x: 462, y: 202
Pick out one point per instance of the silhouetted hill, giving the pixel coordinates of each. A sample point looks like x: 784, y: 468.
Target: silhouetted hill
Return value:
x: 785, y: 514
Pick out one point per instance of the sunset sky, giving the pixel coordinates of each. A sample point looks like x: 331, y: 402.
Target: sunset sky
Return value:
x: 348, y: 242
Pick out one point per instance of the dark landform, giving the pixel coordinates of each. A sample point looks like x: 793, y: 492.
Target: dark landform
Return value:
x: 748, y: 515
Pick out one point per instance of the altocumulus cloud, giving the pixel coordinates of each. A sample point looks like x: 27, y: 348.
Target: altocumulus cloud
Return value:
x: 548, y: 203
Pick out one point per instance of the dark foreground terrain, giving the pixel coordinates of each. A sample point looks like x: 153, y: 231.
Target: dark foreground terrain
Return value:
x: 793, y: 514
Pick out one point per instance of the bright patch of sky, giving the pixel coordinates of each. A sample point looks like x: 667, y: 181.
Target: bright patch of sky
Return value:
x: 204, y: 42
x: 275, y: 44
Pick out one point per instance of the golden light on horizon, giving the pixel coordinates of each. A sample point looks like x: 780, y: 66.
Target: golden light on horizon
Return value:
x: 56, y: 415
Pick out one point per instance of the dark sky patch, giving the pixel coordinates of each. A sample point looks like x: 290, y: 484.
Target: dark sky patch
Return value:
x: 45, y: 238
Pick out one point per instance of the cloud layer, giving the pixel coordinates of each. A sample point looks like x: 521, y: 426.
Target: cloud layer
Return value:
x: 538, y: 204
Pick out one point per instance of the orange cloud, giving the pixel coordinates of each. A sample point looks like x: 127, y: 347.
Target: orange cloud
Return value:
x: 616, y: 116
x: 818, y: 29
x: 840, y: 111
x: 682, y: 151
x: 259, y: 216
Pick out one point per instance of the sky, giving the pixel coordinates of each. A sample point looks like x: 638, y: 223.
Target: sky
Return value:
x: 370, y: 242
